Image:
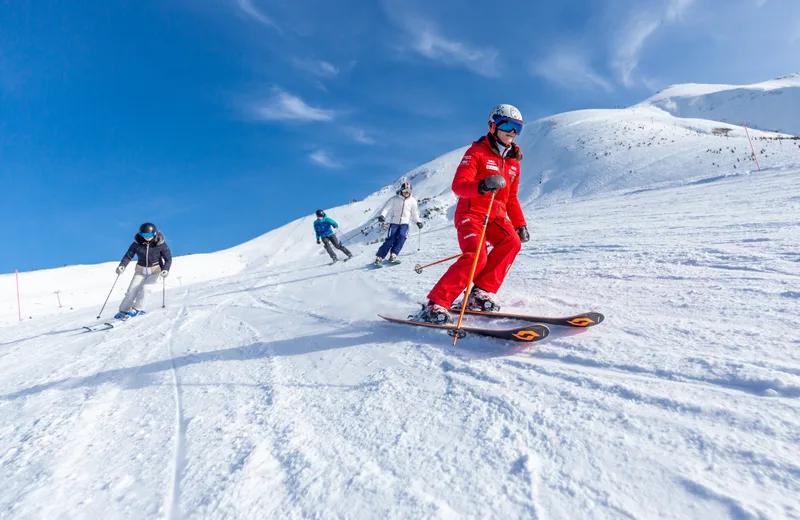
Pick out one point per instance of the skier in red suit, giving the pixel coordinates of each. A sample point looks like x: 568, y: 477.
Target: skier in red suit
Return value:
x: 490, y: 165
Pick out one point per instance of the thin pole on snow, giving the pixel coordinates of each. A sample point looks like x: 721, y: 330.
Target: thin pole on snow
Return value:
x: 419, y: 239
x: 19, y: 308
x: 751, y: 147
x: 107, y: 297
x: 457, y: 331
x: 163, y: 292
x: 418, y: 268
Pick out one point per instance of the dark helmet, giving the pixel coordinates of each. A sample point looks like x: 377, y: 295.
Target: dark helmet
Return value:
x: 148, y: 230
x: 320, y: 213
x: 147, y: 227
x: 404, y: 188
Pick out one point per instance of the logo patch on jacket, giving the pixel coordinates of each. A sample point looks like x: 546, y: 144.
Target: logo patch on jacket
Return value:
x: 466, y: 160
x: 491, y: 164
x: 513, y: 173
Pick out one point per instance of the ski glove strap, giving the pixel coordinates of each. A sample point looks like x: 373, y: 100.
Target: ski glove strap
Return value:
x: 164, y: 274
x: 491, y: 183
x: 120, y: 269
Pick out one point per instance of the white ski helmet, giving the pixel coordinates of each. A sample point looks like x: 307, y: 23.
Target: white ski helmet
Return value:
x: 501, y: 112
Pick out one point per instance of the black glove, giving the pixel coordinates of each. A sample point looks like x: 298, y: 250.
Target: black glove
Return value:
x: 419, y: 225
x: 491, y: 183
x: 335, y: 227
x: 523, y: 234
x: 317, y: 241
x: 381, y: 219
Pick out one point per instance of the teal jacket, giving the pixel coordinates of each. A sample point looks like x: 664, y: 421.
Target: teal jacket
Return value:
x: 324, y: 227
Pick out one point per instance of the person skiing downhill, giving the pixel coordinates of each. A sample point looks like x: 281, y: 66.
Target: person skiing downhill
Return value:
x: 324, y: 228
x: 402, y: 210
x: 491, y: 164
x: 154, y: 262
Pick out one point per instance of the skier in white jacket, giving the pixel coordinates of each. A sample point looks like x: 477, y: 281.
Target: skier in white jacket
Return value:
x: 401, y: 210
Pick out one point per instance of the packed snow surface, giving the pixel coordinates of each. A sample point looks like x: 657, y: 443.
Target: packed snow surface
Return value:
x: 268, y: 388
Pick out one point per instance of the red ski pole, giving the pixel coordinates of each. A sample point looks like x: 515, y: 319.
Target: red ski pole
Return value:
x: 418, y: 268
x: 457, y: 332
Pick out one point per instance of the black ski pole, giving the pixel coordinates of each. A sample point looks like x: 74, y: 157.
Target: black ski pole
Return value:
x: 163, y: 292
x: 419, y: 241
x: 109, y: 296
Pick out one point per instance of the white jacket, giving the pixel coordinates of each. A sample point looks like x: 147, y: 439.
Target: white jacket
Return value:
x: 400, y: 210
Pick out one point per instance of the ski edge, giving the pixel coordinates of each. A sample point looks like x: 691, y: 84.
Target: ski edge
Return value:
x: 583, y: 320
x: 527, y: 334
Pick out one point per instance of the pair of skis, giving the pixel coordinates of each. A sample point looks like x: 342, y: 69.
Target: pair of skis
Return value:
x: 109, y: 324
x: 537, y: 331
x: 386, y: 263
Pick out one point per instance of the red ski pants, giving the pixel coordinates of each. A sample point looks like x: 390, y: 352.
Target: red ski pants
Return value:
x: 491, y: 269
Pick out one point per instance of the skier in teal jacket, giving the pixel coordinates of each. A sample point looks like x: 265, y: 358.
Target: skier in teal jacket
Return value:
x: 324, y: 228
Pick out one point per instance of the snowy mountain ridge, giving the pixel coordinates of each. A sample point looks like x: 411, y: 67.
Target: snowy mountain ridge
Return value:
x: 770, y: 105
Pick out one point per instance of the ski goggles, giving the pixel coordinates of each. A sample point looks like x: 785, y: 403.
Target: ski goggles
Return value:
x: 148, y: 235
x: 508, y: 125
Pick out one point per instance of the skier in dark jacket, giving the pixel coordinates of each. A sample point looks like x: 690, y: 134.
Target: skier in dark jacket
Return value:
x: 153, y: 263
x: 324, y: 228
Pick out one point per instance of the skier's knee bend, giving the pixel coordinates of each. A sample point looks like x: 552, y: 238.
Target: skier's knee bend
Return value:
x: 512, y: 243
x: 469, y: 257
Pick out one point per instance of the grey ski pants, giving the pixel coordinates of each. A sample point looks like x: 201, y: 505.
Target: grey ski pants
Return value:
x: 136, y: 296
x: 332, y: 240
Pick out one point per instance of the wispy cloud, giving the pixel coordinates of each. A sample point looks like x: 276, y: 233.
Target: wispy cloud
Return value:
x: 283, y: 106
x: 640, y: 27
x: 323, y: 158
x: 359, y: 135
x: 569, y: 68
x: 424, y: 37
x: 427, y: 41
x: 253, y: 12
x: 316, y: 67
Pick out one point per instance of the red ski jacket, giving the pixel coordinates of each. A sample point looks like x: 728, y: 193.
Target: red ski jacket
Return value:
x: 479, y: 162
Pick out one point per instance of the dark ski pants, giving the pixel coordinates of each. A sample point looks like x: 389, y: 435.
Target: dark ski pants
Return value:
x: 333, y: 241
x: 395, y: 240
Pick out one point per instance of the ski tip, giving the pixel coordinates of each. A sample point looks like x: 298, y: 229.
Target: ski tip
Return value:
x: 530, y: 334
x: 587, y: 319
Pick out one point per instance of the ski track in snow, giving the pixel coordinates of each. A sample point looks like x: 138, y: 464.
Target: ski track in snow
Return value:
x: 274, y: 391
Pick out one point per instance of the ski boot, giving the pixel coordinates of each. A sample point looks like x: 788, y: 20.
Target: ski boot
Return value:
x: 378, y: 262
x: 433, y: 313
x: 121, y: 316
x: 393, y: 259
x: 480, y: 300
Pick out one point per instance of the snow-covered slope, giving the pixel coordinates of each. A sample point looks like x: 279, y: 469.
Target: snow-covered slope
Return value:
x: 268, y: 388
x: 771, y: 105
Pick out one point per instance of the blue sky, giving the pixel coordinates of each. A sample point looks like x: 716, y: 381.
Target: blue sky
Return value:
x: 219, y: 120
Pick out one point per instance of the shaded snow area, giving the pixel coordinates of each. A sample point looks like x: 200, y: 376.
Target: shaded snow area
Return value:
x: 269, y: 388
